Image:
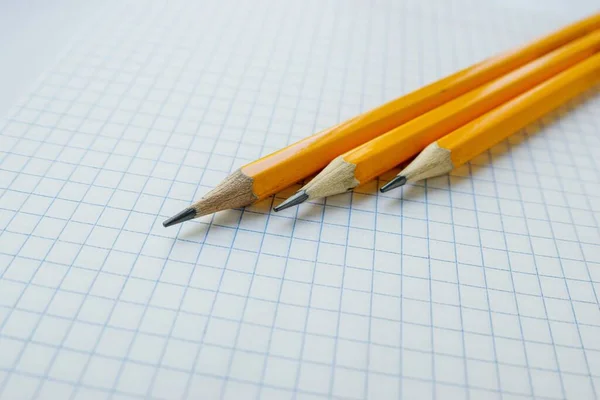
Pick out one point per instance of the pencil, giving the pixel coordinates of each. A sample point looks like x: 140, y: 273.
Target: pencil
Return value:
x: 463, y: 144
x: 274, y: 172
x: 383, y: 153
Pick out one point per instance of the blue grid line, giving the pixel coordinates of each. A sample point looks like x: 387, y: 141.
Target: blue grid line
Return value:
x: 402, y: 41
x: 328, y: 223
x: 434, y: 378
x: 512, y: 282
x: 540, y: 286
x: 41, y: 143
x: 273, y: 327
x: 126, y: 358
x: 332, y: 264
x: 368, y: 357
x: 431, y: 330
x: 216, y: 294
x: 579, y: 241
x: 408, y: 199
x: 141, y: 112
x: 86, y: 366
x: 70, y: 266
x: 246, y: 381
x: 182, y: 133
x: 166, y: 162
x: 474, y: 178
x: 487, y: 297
x: 154, y: 288
x: 314, y: 307
x: 308, y: 392
x: 342, y: 284
x: 66, y: 274
x: 414, y: 349
x: 178, y: 311
x: 585, y: 355
x: 458, y: 282
x: 288, y: 62
x: 15, y: 118
x: 4, y: 383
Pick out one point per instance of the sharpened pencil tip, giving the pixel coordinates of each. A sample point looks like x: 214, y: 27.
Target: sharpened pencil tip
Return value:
x: 393, y: 184
x: 185, y: 215
x: 299, y: 197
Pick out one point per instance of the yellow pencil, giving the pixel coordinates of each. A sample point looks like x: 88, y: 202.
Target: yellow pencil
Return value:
x: 463, y: 144
x: 369, y: 160
x: 268, y: 175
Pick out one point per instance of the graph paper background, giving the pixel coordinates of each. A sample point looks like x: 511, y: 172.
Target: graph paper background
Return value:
x: 483, y: 284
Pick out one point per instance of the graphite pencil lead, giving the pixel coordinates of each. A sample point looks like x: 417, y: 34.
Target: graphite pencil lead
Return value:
x: 298, y: 197
x: 393, y: 184
x: 185, y: 215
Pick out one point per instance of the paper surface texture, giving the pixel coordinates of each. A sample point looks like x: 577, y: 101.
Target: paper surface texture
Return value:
x: 483, y: 284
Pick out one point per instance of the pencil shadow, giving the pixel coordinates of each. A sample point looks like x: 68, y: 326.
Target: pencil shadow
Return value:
x: 479, y: 164
x: 200, y: 229
x: 366, y: 193
x: 312, y: 212
x: 194, y: 233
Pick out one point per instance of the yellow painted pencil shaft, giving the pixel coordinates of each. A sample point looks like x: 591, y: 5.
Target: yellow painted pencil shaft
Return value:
x: 495, y: 126
x: 386, y: 151
x: 301, y: 159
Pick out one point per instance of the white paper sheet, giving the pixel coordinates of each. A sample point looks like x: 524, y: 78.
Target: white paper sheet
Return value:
x: 483, y: 284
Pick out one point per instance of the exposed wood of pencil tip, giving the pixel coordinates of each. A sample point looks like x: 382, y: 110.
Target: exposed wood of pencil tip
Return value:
x: 337, y: 177
x: 432, y: 161
x: 234, y: 192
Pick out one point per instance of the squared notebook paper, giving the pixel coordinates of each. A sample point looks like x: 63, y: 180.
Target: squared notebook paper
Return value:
x: 483, y: 284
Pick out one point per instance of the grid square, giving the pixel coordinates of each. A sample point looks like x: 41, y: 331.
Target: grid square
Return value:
x: 247, y: 366
x: 135, y: 378
x: 66, y: 365
x: 11, y: 348
x: 49, y: 389
x: 286, y: 344
x: 213, y: 360
x: 546, y: 383
x: 412, y: 388
x: 578, y: 386
x: 20, y: 324
x: 348, y: 383
x: 281, y: 373
x: 484, y: 373
x: 101, y: 372
x: 315, y: 378
x: 20, y: 385
x: 82, y: 337
x: 204, y: 387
